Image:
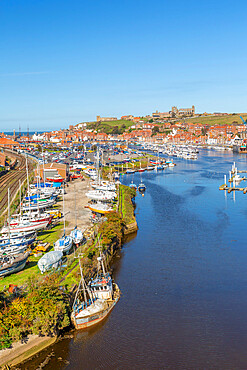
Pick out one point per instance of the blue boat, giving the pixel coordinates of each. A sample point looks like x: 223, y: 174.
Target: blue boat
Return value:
x: 133, y: 186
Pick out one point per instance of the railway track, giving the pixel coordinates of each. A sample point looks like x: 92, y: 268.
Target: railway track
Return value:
x: 11, y: 180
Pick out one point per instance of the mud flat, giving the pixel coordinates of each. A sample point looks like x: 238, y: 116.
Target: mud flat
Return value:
x: 21, y: 351
x: 76, y: 192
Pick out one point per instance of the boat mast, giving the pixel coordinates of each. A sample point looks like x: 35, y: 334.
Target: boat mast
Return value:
x: 63, y: 214
x: 101, y: 260
x: 38, y: 192
x: 97, y: 166
x: 9, y: 213
x: 20, y: 198
x: 43, y: 166
x: 83, y: 282
x: 75, y: 209
x: 28, y: 192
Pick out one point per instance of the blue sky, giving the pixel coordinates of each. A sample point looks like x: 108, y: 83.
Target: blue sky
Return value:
x: 64, y: 62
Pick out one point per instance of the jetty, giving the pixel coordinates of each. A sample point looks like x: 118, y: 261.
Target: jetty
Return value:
x: 233, y: 179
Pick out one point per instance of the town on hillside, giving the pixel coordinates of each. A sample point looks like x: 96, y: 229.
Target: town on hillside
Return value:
x: 178, y: 126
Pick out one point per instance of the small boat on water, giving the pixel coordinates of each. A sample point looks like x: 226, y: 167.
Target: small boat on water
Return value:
x: 11, y: 264
x: 94, y: 301
x: 132, y: 185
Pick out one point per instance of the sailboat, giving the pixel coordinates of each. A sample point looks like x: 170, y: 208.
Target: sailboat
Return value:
x: 141, y: 186
x: 65, y: 242
x: 141, y: 169
x: 94, y: 301
x: 132, y: 184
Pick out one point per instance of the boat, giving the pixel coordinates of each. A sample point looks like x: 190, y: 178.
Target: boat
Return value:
x: 12, y: 264
x: 31, y: 217
x: 38, y: 204
x: 25, y: 226
x: 100, y: 207
x: 14, y: 249
x: 104, y: 186
x: 94, y: 301
x: 101, y: 195
x: 50, y: 260
x: 128, y: 171
x: 17, y: 235
x: 18, y: 241
x: 56, y: 178
x: 132, y: 185
x: 76, y: 235
x: 141, y: 187
x: 63, y: 244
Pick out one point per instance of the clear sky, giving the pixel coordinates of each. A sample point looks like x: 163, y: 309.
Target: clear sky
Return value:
x: 64, y: 62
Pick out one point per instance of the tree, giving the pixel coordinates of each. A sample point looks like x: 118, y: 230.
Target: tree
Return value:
x: 115, y: 130
x: 155, y: 130
x: 204, y: 131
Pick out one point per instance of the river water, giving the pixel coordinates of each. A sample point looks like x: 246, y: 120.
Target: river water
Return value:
x: 183, y: 279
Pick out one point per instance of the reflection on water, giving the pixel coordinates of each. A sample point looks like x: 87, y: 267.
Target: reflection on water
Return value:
x: 183, y: 279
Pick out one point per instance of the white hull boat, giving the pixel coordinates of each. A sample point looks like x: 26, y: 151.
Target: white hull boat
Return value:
x: 25, y: 227
x: 63, y: 244
x: 76, y: 235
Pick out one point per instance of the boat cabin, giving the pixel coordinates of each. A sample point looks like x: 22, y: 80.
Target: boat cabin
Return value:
x: 102, y: 287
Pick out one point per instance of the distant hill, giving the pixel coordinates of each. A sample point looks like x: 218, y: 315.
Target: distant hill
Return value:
x: 110, y: 127
x: 231, y: 119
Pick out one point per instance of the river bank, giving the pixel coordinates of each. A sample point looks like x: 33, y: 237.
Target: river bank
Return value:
x: 111, y: 232
x: 23, y: 350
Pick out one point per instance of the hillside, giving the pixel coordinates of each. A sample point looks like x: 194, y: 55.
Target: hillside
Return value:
x: 110, y: 127
x: 223, y: 120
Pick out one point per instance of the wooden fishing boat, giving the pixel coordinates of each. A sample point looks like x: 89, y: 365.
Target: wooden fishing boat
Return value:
x: 94, y: 301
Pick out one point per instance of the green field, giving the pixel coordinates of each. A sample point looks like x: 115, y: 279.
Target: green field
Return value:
x: 118, y: 122
x: 223, y: 120
x: 111, y: 127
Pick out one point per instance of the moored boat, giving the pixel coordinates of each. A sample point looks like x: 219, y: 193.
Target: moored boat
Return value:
x: 142, y: 187
x: 94, y: 301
